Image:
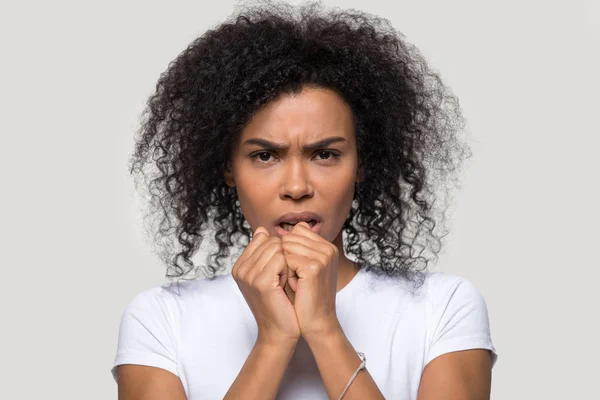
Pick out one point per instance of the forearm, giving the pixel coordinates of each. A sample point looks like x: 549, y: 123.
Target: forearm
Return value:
x: 337, y: 361
x: 262, y: 372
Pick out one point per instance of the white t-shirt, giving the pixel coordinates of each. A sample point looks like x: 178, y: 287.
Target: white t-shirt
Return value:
x: 204, y: 331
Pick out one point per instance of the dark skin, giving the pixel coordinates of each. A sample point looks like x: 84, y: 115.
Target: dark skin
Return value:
x: 292, y: 179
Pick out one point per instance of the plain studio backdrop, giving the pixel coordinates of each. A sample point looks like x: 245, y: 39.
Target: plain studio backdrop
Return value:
x: 524, y: 228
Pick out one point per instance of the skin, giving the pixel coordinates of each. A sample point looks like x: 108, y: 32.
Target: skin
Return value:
x: 277, y: 181
x: 294, y: 180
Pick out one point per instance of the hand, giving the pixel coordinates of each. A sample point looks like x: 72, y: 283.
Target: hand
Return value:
x: 313, y: 264
x: 260, y: 273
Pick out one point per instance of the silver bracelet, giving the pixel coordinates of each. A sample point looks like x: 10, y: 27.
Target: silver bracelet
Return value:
x: 363, y: 363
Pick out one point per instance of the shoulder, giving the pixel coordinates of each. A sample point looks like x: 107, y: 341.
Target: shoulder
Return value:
x: 432, y: 284
x: 453, y: 295
x: 443, y: 287
x: 439, y: 279
x: 150, y: 327
x: 458, y: 316
x: 176, y: 295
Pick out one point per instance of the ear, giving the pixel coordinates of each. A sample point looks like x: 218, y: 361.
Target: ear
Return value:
x: 228, y: 177
x: 360, y: 174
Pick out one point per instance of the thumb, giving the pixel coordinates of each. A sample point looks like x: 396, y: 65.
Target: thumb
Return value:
x: 260, y: 229
x: 283, y: 279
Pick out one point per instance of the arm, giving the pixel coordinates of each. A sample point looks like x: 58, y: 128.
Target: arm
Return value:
x: 337, y: 361
x: 259, y: 378
x: 460, y: 375
x: 146, y: 353
x: 137, y: 382
x: 262, y: 372
x: 460, y: 358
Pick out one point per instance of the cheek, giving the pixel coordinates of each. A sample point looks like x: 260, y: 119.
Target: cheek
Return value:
x: 339, y: 194
x: 339, y: 199
x: 253, y: 197
x: 345, y: 202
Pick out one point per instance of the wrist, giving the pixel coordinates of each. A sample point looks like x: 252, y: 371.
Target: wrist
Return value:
x: 276, y: 342
x: 326, y: 333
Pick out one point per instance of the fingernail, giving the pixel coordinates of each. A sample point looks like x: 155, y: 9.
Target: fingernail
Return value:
x: 259, y: 230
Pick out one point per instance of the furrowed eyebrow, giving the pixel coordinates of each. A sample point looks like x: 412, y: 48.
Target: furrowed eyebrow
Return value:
x: 312, y: 146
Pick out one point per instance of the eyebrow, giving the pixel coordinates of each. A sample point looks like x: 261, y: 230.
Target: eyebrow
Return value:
x: 311, y: 146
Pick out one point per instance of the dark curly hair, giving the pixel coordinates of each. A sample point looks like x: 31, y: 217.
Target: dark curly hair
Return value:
x: 407, y: 126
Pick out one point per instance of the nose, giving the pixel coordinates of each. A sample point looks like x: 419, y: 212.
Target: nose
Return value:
x: 295, y: 183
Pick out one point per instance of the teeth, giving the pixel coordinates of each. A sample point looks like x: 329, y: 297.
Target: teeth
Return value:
x: 288, y: 226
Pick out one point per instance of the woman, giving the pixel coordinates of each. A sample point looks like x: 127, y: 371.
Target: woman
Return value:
x: 286, y: 128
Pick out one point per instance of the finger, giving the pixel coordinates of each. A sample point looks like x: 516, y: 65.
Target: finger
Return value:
x: 320, y: 246
x: 274, y: 266
x: 246, y: 261
x: 297, y: 264
x: 260, y: 236
x: 290, y: 289
x: 303, y: 228
x: 259, y: 230
x: 299, y: 249
x: 249, y: 263
x: 262, y: 257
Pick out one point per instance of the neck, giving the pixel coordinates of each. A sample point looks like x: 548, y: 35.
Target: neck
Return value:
x: 347, y: 269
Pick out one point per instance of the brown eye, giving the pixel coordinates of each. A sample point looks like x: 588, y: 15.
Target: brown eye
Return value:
x: 264, y: 156
x: 327, y: 154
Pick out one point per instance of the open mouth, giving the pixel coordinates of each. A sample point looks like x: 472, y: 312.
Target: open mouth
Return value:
x: 288, y: 226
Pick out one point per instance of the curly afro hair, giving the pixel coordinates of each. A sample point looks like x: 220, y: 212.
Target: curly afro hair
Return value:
x: 407, y: 126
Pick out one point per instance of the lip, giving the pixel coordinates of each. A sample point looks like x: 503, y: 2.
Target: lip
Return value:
x: 282, y: 232
x: 296, y: 217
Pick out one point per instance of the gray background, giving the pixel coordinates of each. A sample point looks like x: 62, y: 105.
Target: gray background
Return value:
x: 75, y: 76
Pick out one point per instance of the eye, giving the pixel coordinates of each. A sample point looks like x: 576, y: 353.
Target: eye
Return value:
x: 264, y: 155
x: 328, y: 153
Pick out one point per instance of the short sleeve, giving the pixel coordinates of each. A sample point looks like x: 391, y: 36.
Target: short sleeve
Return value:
x: 459, y: 318
x: 148, y: 333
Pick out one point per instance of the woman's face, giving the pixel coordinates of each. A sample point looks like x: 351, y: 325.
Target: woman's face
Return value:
x: 300, y: 175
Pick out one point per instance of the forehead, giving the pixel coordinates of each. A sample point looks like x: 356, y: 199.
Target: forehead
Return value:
x: 312, y: 114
